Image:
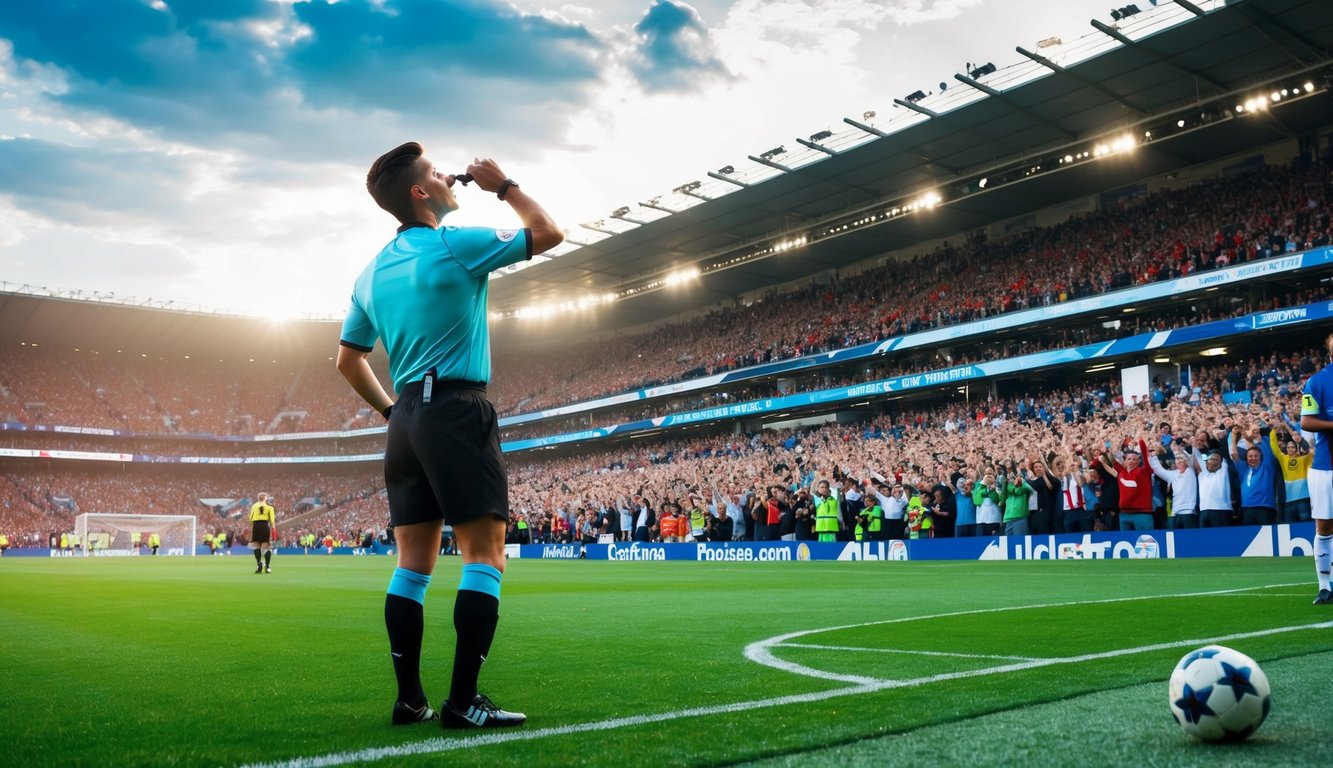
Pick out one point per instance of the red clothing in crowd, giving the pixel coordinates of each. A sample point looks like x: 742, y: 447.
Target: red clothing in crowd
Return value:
x: 1136, y: 486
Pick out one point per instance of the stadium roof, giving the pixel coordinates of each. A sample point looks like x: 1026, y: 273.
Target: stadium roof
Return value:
x: 1164, y: 65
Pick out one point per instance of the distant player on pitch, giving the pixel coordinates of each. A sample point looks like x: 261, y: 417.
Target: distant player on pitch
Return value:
x: 263, y: 530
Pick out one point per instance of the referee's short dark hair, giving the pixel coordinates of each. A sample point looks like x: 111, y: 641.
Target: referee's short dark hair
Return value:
x: 391, y: 178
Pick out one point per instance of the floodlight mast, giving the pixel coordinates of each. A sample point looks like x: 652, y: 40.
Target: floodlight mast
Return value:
x: 727, y: 178
x: 870, y: 129
x: 1191, y: 7
x: 916, y: 107
x: 657, y: 206
x: 766, y: 158
x: 818, y: 147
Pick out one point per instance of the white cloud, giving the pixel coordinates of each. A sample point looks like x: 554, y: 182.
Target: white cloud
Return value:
x: 285, y: 205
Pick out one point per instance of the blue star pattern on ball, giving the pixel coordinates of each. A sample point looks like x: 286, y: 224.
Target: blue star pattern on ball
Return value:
x: 1238, y: 678
x: 1202, y: 653
x: 1194, y: 704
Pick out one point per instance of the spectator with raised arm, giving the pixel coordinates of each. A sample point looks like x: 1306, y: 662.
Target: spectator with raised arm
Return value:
x: 1258, y: 471
x: 1134, y: 481
x: 1184, y: 484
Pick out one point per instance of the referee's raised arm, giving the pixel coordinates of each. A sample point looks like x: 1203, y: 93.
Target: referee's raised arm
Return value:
x: 545, y: 234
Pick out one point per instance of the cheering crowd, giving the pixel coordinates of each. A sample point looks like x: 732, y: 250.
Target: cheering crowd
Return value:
x: 1047, y: 461
x: 1243, y: 217
x: 968, y: 469
x: 926, y: 359
x: 1140, y: 240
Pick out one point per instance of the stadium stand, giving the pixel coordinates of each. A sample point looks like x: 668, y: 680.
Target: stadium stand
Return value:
x: 910, y: 447
x: 1241, y: 218
x: 113, y: 390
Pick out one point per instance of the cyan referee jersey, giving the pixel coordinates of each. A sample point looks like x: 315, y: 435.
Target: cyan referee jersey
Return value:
x: 425, y: 294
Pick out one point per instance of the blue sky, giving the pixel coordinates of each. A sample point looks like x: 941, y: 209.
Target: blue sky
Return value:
x: 214, y: 153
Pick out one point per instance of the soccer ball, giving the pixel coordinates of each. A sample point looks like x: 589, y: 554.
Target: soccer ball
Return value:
x: 1219, y: 694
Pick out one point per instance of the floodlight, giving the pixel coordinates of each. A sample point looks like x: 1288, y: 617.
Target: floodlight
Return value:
x: 982, y: 70
x: 915, y: 96
x: 821, y: 135
x: 774, y: 152
x: 621, y: 211
x: 869, y: 114
x: 727, y: 170
x: 1309, y: 87
x: 982, y: 183
x: 680, y: 276
x: 1180, y: 123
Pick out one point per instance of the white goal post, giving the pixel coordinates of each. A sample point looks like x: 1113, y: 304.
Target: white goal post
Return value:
x: 113, y: 535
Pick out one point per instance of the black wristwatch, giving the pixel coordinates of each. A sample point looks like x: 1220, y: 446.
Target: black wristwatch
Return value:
x: 504, y: 187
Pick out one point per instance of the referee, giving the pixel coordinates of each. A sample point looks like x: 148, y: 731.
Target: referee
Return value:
x: 424, y: 297
x: 263, y: 529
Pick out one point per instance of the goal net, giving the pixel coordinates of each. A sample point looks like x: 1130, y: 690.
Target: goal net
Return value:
x: 118, y: 535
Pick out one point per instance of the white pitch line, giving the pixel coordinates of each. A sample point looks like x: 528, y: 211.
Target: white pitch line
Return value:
x: 1038, y: 663
x: 760, y: 652
x: 904, y: 650
x: 439, y: 745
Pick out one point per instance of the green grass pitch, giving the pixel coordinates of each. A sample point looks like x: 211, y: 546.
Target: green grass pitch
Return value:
x: 198, y: 661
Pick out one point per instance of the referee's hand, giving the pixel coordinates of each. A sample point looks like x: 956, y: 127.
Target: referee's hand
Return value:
x: 487, y: 174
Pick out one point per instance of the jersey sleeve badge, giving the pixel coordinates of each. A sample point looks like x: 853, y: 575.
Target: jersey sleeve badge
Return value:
x: 1308, y: 405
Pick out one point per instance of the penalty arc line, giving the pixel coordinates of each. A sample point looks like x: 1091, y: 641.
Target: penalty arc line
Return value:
x: 761, y: 652
x: 440, y: 745
x: 905, y: 651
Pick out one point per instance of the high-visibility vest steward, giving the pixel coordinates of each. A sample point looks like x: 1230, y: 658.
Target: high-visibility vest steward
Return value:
x: 826, y: 515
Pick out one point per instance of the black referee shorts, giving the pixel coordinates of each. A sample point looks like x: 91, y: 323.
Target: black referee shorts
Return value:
x: 442, y: 458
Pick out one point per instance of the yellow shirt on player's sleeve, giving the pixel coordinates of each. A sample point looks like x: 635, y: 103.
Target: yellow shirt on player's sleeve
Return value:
x: 1309, y: 406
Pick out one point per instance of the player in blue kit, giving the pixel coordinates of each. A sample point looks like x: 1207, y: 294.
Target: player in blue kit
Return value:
x: 424, y: 296
x: 1317, y: 417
